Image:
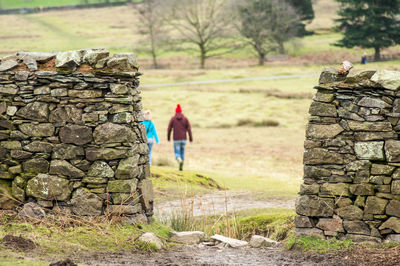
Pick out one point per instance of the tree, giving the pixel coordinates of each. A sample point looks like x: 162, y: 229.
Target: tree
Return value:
x: 152, y: 24
x: 369, y: 24
x: 202, y: 23
x: 305, y: 12
x: 267, y: 25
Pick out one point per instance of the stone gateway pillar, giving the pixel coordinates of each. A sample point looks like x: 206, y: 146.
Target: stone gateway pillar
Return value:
x: 351, y: 183
x: 70, y: 135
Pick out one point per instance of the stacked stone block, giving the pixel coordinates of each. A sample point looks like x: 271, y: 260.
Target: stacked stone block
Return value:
x: 351, y: 183
x: 70, y: 135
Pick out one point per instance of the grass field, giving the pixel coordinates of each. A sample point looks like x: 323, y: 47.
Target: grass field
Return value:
x: 8, y: 4
x: 258, y: 158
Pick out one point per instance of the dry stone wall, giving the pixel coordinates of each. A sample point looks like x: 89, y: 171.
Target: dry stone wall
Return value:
x: 70, y: 135
x: 351, y: 183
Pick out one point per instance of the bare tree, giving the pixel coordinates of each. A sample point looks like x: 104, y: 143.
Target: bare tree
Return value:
x: 266, y: 25
x: 202, y: 23
x: 152, y: 25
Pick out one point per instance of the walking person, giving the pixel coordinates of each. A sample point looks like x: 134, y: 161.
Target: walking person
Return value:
x: 180, y: 125
x: 151, y: 132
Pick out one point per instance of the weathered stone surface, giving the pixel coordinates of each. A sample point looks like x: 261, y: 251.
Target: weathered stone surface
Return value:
x: 356, y: 227
x: 39, y: 146
x: 323, y: 131
x: 375, y: 205
x: 356, y: 75
x: 257, y: 241
x: 39, y: 130
x: 86, y: 203
x: 395, y: 187
x: 362, y: 189
x: 122, y: 186
x: 7, y: 65
x: 75, y: 134
x: 388, y: 79
x: 146, y: 194
x: 321, y: 156
x: 392, y: 223
x: 323, y: 97
x: 350, y: 212
x: 63, y: 168
x: 369, y: 150
x: 85, y: 94
x: 393, y: 208
x: 363, y: 238
x: 36, y: 165
x: 330, y: 75
x: 339, y: 189
x: 20, y: 155
x: 119, y: 88
x: 67, y: 151
x: 9, y: 89
x: 48, y: 187
x: 36, y: 111
x: 11, y: 145
x: 392, y: 238
x: 369, y: 126
x: 343, y: 202
x: 392, y: 150
x: 151, y: 238
x: 323, y: 109
x: 303, y: 222
x: 315, y: 232
x: 111, y: 133
x: 94, y: 154
x: 188, y: 237
x: 373, y: 102
x: 6, y: 200
x: 367, y: 136
x: 312, y: 189
x: 128, y: 168
x: 32, y: 210
x: 314, y: 206
x: 230, y: 242
x: 68, y: 60
x: 100, y: 169
x: 382, y: 169
x: 315, y: 172
x: 91, y: 56
x: 334, y: 224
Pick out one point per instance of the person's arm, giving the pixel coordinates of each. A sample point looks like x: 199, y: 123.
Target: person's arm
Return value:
x: 189, y: 130
x: 155, y: 132
x: 171, y: 122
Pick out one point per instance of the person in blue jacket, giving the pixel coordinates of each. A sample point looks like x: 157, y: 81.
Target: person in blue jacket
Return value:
x: 150, y: 132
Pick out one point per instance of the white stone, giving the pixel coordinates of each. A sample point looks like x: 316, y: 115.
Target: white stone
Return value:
x: 151, y: 238
x: 11, y: 110
x: 234, y: 243
x: 257, y: 241
x: 369, y: 150
x: 387, y: 78
x: 188, y: 237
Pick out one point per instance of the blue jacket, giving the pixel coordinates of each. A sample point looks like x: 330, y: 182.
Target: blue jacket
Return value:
x: 150, y: 130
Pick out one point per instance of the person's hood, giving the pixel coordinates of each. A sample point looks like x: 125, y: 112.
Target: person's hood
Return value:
x: 179, y: 116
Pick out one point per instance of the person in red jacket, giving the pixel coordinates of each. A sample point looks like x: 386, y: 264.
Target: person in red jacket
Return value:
x: 180, y: 125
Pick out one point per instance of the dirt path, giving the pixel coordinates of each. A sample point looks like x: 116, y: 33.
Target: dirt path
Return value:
x: 219, y: 202
x: 201, y: 255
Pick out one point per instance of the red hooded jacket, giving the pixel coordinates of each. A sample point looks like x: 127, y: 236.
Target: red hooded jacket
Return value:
x: 180, y: 125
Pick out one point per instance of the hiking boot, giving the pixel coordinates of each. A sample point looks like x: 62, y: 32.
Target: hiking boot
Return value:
x: 181, y: 165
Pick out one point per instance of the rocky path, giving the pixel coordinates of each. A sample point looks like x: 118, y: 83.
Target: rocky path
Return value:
x: 219, y: 202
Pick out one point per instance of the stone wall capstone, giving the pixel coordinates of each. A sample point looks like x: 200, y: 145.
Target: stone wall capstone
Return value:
x: 351, y: 185
x: 70, y: 135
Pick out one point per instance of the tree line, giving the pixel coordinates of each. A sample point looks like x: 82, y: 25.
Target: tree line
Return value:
x: 215, y: 27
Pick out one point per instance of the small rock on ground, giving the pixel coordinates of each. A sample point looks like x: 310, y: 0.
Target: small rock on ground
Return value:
x: 257, y: 241
x: 151, y: 238
x: 188, y: 237
x: 32, y: 210
x: 231, y: 242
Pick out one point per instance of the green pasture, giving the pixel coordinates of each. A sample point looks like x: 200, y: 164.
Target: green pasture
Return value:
x: 9, y: 4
